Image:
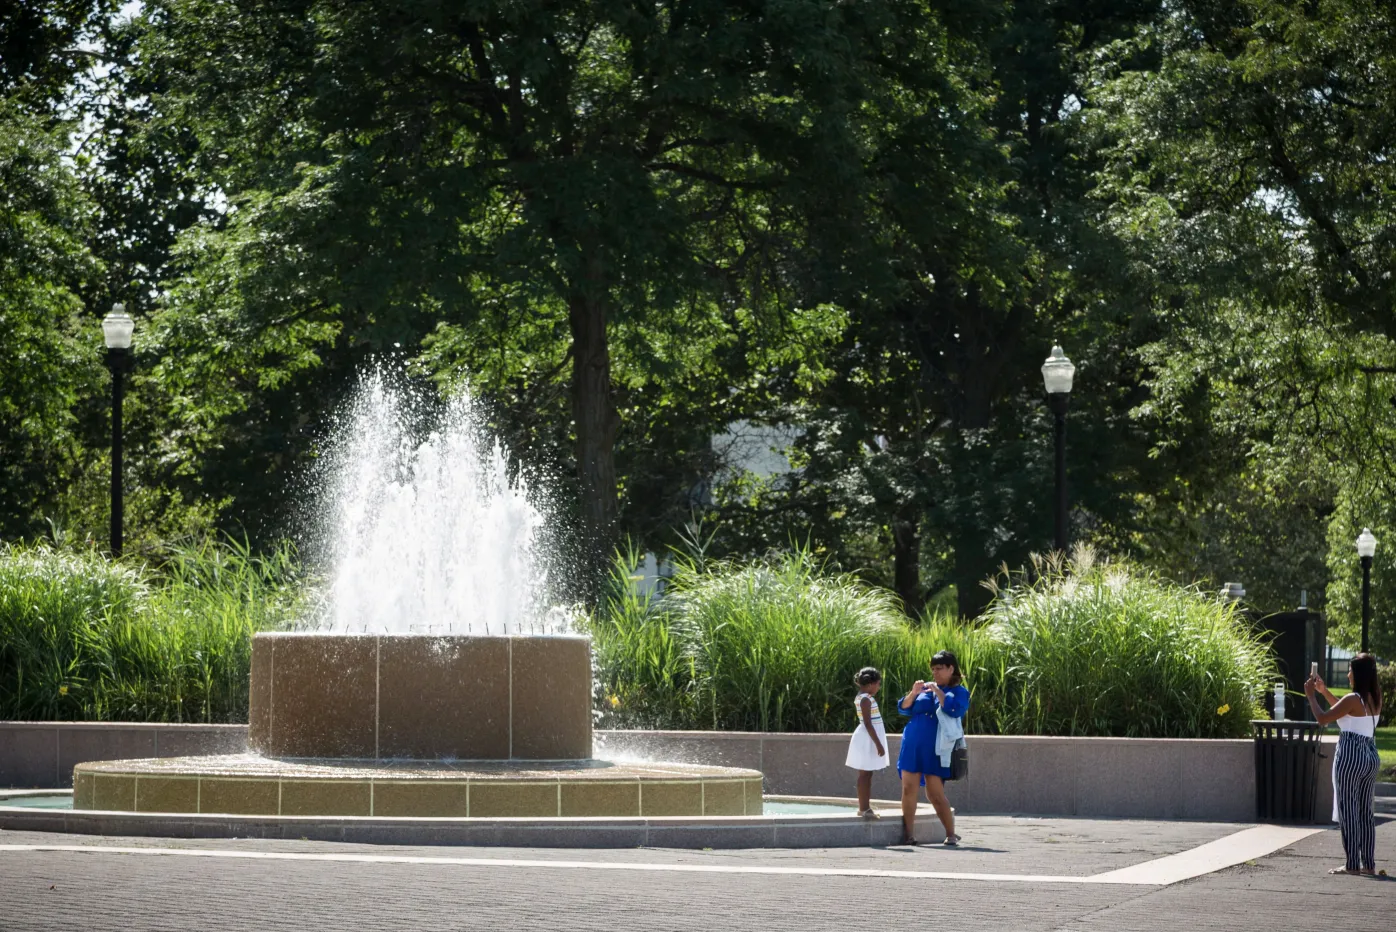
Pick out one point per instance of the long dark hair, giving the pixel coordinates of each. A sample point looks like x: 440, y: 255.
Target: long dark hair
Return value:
x: 1365, y: 682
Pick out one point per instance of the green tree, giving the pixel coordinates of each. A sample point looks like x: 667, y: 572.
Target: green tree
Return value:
x: 927, y: 460
x: 1261, y: 222
x: 617, y: 172
x: 47, y: 360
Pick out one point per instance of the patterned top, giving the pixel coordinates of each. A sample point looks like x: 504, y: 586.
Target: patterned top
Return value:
x: 858, y: 708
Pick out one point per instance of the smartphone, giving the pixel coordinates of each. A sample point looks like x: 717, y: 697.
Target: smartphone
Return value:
x: 1313, y: 668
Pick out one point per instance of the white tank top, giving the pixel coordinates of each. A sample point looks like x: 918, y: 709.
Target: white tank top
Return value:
x: 1364, y: 725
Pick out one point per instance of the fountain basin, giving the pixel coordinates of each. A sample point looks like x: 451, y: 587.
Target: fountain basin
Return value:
x: 245, y: 784
x: 417, y: 726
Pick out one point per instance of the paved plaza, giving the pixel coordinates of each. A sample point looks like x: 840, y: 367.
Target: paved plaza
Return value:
x: 1012, y: 873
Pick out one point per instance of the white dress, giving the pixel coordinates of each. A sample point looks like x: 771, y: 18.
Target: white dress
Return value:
x: 862, y: 753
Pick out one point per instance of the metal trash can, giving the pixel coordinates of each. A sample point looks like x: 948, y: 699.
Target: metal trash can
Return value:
x: 1286, y: 770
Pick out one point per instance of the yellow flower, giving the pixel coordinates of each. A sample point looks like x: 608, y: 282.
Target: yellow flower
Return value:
x: 62, y: 690
x: 1223, y: 709
x: 614, y: 701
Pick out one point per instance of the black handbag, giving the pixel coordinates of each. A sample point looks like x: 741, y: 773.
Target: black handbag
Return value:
x: 959, y: 760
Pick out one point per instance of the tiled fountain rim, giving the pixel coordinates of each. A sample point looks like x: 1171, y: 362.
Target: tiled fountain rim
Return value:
x: 246, y: 784
x: 718, y: 832
x: 251, y: 765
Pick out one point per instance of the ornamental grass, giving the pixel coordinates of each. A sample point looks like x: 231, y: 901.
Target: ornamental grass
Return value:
x: 1086, y: 648
x: 86, y: 638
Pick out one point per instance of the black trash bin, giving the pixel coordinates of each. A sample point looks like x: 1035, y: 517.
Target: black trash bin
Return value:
x: 1286, y: 770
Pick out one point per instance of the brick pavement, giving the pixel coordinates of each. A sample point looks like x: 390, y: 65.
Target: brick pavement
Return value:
x: 82, y: 891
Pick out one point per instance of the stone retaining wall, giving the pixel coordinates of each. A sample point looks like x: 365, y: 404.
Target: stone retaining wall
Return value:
x: 1140, y: 778
x: 43, y: 754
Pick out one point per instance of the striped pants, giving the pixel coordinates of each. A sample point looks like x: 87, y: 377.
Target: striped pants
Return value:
x: 1354, y: 782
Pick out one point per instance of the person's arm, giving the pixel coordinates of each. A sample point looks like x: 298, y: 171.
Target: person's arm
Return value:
x: 1351, y: 704
x: 910, y: 698
x: 1322, y: 688
x: 955, y: 702
x: 866, y: 706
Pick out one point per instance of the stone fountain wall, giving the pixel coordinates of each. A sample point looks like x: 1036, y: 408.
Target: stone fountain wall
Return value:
x: 381, y: 697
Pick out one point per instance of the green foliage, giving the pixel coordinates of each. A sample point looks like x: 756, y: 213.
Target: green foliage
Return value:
x: 759, y: 647
x: 772, y: 646
x: 41, y: 47
x: 85, y: 638
x: 773, y: 643
x: 627, y: 225
x: 1386, y: 676
x: 1101, y: 649
x: 1259, y: 227
x: 47, y: 358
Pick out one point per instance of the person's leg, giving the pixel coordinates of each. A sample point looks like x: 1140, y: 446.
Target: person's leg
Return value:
x: 864, y: 791
x: 911, y: 789
x: 1366, y: 820
x: 935, y: 791
x: 1344, y: 780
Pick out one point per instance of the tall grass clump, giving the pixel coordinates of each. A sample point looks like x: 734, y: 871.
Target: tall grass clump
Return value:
x: 83, y: 637
x: 765, y: 646
x: 1084, y: 648
x: 1104, y: 649
x: 774, y: 644
x: 644, y: 677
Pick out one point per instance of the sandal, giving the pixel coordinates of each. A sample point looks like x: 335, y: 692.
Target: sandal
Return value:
x: 1344, y: 870
x: 952, y: 840
x: 906, y: 840
x: 869, y: 814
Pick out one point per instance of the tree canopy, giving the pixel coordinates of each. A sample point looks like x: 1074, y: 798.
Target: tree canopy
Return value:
x: 627, y: 226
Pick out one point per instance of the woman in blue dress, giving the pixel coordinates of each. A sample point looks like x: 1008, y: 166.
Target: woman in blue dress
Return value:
x: 918, y: 762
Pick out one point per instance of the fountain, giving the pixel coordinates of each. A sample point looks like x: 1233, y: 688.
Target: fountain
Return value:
x: 437, y: 684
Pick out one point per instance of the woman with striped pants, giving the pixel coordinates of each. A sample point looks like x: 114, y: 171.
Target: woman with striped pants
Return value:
x: 1356, y: 764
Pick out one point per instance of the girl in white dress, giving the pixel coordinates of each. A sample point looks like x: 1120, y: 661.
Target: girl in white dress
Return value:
x: 867, y: 749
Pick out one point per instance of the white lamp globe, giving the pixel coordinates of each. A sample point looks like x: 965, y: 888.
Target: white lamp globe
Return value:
x: 1057, y: 372
x: 1366, y: 543
x: 117, y: 327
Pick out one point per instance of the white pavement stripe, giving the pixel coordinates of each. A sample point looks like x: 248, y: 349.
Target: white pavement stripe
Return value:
x: 1234, y: 849
x: 1216, y: 855
x: 557, y: 865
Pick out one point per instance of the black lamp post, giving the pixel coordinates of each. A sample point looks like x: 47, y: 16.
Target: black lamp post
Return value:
x: 116, y: 331
x: 1057, y: 372
x: 1366, y: 549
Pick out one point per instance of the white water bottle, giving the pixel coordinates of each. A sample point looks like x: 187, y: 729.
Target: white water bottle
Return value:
x: 1279, y: 712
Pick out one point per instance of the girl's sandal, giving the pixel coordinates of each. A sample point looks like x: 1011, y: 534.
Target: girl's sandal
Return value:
x: 906, y: 840
x: 869, y: 814
x: 952, y: 841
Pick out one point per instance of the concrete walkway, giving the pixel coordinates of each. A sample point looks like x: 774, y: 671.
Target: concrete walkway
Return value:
x: 991, y: 882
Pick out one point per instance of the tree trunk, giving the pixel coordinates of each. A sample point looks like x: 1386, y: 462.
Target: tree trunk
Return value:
x: 906, y: 561
x: 596, y: 423
x: 970, y: 571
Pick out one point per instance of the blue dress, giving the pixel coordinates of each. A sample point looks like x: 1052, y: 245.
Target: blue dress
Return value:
x: 918, y: 754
